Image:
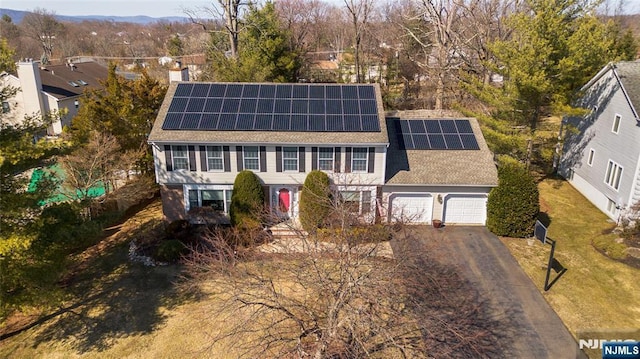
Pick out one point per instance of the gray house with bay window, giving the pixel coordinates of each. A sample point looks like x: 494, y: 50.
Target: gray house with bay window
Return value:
x: 206, y: 133
x: 601, y: 153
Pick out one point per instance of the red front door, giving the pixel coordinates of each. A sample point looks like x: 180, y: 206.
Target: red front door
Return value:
x: 284, y: 200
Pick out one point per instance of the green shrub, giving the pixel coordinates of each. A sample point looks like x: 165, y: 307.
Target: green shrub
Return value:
x: 247, y: 201
x: 315, y: 201
x: 170, y: 251
x: 513, y: 206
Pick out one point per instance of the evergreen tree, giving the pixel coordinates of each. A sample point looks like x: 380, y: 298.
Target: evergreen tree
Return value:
x: 513, y: 206
x: 315, y: 201
x: 265, y: 55
x: 247, y: 201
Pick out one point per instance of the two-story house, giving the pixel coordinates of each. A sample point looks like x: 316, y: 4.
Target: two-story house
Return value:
x: 44, y: 89
x: 601, y: 154
x: 206, y: 133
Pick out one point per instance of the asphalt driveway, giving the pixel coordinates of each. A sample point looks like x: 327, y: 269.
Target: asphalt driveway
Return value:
x: 535, y: 330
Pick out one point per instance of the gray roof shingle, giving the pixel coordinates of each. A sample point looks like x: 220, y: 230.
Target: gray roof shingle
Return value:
x: 439, y: 167
x: 629, y: 73
x: 55, y: 78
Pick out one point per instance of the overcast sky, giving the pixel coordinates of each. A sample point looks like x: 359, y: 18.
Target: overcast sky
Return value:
x: 153, y: 8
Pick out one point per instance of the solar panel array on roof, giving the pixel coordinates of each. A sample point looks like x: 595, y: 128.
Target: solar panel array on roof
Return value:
x: 273, y: 107
x: 435, y: 134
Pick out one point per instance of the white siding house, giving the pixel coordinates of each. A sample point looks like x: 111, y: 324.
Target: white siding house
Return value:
x: 206, y: 133
x: 601, y: 154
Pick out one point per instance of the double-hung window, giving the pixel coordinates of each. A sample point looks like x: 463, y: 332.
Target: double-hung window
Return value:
x: 325, y: 158
x: 214, y: 158
x: 359, y: 159
x: 218, y: 199
x: 251, y: 157
x: 358, y: 202
x: 613, y: 175
x: 290, y: 158
x: 180, y: 157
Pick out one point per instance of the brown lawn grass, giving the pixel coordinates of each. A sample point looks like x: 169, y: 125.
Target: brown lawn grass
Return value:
x: 596, y: 292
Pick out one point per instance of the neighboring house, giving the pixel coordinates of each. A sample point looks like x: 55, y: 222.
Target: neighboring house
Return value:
x: 601, y: 156
x: 206, y: 133
x: 43, y: 89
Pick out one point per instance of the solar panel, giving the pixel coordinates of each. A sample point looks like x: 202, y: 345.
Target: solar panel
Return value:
x: 245, y: 121
x: 213, y: 105
x: 333, y: 91
x: 281, y: 122
x: 436, y: 134
x: 265, y: 105
x: 299, y: 123
x: 282, y: 106
x: 191, y: 121
x: 436, y: 142
x: 333, y: 107
x: 208, y: 122
x: 283, y: 91
x: 267, y: 91
x: 335, y: 123
x: 183, y: 90
x: 263, y: 122
x: 317, y: 123
x: 350, y: 92
x: 250, y: 91
x: 366, y: 93
x: 469, y: 142
x: 368, y: 107
x: 195, y: 104
x: 233, y: 90
x: 352, y: 123
x: 463, y: 126
x: 316, y: 91
x: 301, y: 91
x: 227, y: 121
x: 351, y: 107
x: 172, y: 121
x: 453, y: 142
x: 300, y: 106
x: 230, y: 105
x: 248, y: 105
x: 200, y: 90
x: 178, y: 104
x: 370, y: 123
x: 277, y: 107
x: 217, y: 90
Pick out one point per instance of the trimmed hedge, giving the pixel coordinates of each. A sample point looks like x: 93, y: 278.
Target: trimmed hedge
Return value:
x: 247, y: 201
x: 315, y: 201
x: 513, y: 206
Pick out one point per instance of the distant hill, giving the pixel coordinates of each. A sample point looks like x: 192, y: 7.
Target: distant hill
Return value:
x: 17, y: 16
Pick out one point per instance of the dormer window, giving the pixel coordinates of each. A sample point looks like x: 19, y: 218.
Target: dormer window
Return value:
x: 616, y: 124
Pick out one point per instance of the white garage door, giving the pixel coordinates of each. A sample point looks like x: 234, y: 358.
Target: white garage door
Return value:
x: 465, y: 209
x: 412, y: 208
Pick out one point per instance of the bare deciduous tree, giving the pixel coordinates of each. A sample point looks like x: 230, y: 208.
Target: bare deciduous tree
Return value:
x: 338, y: 294
x: 230, y: 11
x: 42, y: 26
x: 360, y: 12
x: 96, y: 163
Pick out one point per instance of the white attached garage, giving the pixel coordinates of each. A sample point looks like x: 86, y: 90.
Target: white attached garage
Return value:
x: 465, y: 209
x: 411, y: 207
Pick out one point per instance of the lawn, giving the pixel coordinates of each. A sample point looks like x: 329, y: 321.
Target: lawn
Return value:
x: 596, y: 292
